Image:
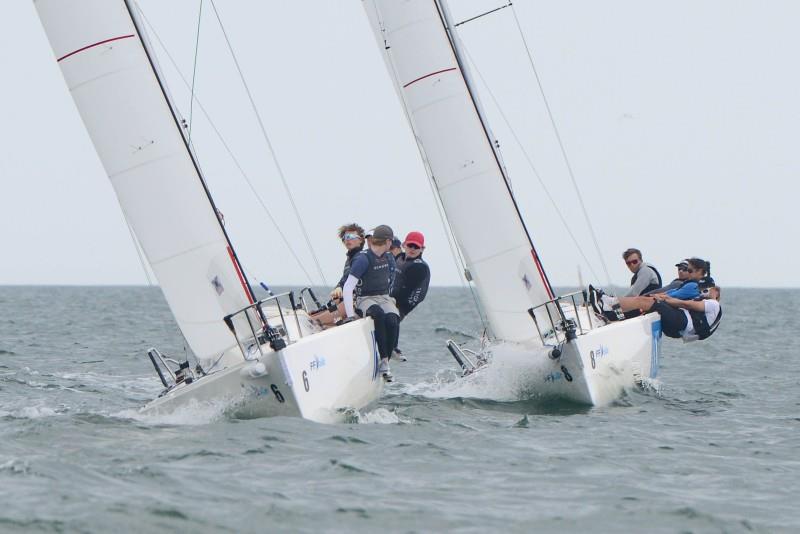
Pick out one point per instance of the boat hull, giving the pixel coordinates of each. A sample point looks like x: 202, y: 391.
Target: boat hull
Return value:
x: 319, y: 377
x: 593, y: 369
x: 598, y: 366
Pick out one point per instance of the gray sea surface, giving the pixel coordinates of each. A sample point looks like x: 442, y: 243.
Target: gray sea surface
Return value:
x: 712, y: 447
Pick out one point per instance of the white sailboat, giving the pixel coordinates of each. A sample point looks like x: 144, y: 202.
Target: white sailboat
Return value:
x: 579, y: 357
x: 265, y: 357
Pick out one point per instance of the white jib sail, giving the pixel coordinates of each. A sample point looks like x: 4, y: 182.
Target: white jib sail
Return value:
x: 130, y: 120
x: 456, y: 144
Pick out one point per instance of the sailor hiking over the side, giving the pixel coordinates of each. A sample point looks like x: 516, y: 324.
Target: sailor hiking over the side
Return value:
x: 366, y: 292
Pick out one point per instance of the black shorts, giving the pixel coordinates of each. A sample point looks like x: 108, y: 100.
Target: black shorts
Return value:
x: 673, y: 320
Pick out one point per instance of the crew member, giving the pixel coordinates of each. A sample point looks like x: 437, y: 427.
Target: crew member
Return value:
x: 689, y: 319
x: 413, y: 278
x: 370, y: 279
x: 352, y: 237
x: 645, y: 277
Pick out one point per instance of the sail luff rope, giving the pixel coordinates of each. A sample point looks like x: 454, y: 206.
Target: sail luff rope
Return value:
x: 194, y: 67
x: 458, y: 260
x: 270, y: 147
x: 222, y: 140
x: 138, y: 252
x: 529, y: 160
x: 561, y: 146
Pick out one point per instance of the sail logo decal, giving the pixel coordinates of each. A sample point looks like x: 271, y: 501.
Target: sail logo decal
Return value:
x: 217, y: 285
x: 87, y: 47
x: 526, y: 281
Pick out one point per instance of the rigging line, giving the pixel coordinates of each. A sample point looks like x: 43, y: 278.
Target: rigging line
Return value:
x: 228, y: 149
x: 269, y: 145
x: 476, y: 17
x: 194, y: 67
x: 529, y: 160
x: 561, y: 146
x: 138, y: 252
x: 458, y: 259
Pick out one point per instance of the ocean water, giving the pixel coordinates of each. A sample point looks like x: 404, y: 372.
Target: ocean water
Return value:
x: 714, y: 446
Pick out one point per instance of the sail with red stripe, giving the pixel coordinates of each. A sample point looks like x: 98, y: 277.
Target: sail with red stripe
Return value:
x: 114, y: 80
x: 434, y: 86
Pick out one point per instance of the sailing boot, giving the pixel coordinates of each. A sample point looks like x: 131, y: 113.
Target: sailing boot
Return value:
x: 384, y: 370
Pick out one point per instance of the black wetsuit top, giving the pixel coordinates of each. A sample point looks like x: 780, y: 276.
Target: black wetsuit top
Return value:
x: 411, y: 285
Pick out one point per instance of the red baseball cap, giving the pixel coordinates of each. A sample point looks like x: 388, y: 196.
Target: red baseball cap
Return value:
x: 415, y: 237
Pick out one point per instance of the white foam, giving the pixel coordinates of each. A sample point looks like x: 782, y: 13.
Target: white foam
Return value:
x: 192, y: 413
x: 35, y: 412
x: 512, y: 374
x: 379, y: 416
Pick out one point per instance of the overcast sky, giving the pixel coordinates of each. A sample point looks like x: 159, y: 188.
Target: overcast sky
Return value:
x: 681, y: 121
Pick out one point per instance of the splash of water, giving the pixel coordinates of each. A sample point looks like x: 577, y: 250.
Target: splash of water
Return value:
x: 514, y: 373
x: 192, y: 413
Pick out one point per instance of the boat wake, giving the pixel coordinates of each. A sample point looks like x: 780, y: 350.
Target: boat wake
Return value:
x: 192, y: 413
x: 514, y: 374
x: 377, y: 416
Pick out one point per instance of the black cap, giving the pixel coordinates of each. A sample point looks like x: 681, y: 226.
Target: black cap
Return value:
x: 706, y: 282
x: 682, y: 264
x: 381, y: 232
x: 396, y: 243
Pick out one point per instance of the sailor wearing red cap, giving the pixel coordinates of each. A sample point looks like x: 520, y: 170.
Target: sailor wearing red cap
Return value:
x: 413, y: 278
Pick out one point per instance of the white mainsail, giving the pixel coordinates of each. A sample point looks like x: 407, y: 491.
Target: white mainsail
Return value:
x: 445, y: 115
x: 115, y: 84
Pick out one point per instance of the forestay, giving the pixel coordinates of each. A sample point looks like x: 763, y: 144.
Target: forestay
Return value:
x: 434, y: 86
x: 136, y: 131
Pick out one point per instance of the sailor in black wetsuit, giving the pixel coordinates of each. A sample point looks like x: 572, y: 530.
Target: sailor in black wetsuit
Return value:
x: 371, y: 276
x: 413, y: 278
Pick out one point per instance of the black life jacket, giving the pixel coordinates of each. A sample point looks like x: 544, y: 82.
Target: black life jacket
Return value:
x: 379, y: 276
x: 701, y: 327
x: 652, y: 285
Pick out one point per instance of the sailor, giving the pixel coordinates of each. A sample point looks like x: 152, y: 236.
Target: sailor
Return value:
x: 370, y: 278
x: 690, y: 319
x: 413, y: 278
x: 396, y: 249
x: 352, y: 237
x: 698, y: 274
x: 698, y: 279
x: 645, y: 276
x: 683, y: 275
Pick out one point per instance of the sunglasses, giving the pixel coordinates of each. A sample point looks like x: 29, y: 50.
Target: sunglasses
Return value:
x: 349, y: 237
x: 412, y: 246
x: 631, y: 262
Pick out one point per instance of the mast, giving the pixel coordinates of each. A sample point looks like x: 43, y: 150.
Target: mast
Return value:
x: 454, y: 139
x: 118, y: 90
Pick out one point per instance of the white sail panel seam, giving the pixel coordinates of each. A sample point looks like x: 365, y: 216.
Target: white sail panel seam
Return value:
x: 501, y: 253
x: 488, y: 173
x: 84, y: 83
